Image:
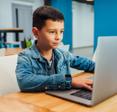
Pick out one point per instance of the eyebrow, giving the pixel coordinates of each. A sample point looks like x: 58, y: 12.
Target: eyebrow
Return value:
x: 55, y: 29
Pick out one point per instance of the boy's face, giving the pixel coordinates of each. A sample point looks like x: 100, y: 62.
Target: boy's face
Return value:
x: 51, y: 34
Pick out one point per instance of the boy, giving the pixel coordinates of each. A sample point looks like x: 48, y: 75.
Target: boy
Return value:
x: 45, y: 67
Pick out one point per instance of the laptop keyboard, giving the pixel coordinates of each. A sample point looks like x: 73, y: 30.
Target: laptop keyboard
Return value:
x: 83, y: 93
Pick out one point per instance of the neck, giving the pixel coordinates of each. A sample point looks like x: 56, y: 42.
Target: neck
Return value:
x: 46, y: 53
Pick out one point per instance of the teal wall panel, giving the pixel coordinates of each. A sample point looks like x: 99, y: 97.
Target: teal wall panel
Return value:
x: 105, y: 19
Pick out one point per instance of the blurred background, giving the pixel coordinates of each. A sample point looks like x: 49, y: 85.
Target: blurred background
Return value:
x: 79, y: 22
x: 85, y: 21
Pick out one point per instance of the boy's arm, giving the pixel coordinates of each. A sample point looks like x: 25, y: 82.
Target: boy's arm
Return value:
x: 31, y: 82
x: 81, y: 63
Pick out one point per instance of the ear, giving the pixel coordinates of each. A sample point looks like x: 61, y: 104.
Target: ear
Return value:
x: 35, y: 31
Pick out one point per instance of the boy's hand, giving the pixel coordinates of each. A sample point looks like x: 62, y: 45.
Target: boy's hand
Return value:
x: 82, y: 83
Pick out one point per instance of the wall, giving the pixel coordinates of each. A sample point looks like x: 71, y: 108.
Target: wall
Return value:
x: 37, y: 3
x: 5, y: 14
x: 105, y: 19
x: 83, y: 24
x: 6, y: 11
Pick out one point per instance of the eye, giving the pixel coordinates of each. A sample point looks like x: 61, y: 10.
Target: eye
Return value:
x: 62, y: 32
x: 52, y: 32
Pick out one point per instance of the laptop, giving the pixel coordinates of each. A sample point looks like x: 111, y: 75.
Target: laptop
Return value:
x: 105, y: 76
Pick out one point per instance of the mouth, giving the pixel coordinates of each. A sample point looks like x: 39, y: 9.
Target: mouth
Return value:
x: 55, y: 43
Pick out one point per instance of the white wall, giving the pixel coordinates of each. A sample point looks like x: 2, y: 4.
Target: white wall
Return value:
x: 37, y: 3
x: 6, y: 11
x: 83, y: 24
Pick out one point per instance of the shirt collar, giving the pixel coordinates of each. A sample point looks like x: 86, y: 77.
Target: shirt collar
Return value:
x: 34, y: 51
x: 36, y: 54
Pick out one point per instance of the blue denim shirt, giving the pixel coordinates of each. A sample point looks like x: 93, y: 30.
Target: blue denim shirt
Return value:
x: 32, y: 74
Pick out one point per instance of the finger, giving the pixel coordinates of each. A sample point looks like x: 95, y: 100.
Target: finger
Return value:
x: 88, y: 87
x: 89, y: 82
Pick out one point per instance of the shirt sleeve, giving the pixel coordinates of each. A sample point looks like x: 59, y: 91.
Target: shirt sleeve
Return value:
x: 81, y: 63
x: 31, y: 82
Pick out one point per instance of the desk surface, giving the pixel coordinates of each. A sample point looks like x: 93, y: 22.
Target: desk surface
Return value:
x: 55, y: 104
x: 11, y: 30
x: 12, y: 51
x: 14, y: 105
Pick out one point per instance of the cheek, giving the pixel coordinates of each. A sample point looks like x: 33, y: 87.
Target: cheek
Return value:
x: 61, y: 37
x: 49, y: 38
x: 44, y: 36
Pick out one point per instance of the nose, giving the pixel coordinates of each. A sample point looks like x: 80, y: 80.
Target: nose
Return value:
x: 58, y: 36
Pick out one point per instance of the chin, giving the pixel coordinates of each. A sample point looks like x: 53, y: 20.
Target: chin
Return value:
x: 54, y: 47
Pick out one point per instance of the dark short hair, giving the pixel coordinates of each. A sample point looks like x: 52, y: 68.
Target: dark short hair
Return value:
x: 44, y: 13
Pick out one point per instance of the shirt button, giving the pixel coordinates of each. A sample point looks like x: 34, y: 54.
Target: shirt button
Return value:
x: 59, y: 86
x: 46, y: 88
